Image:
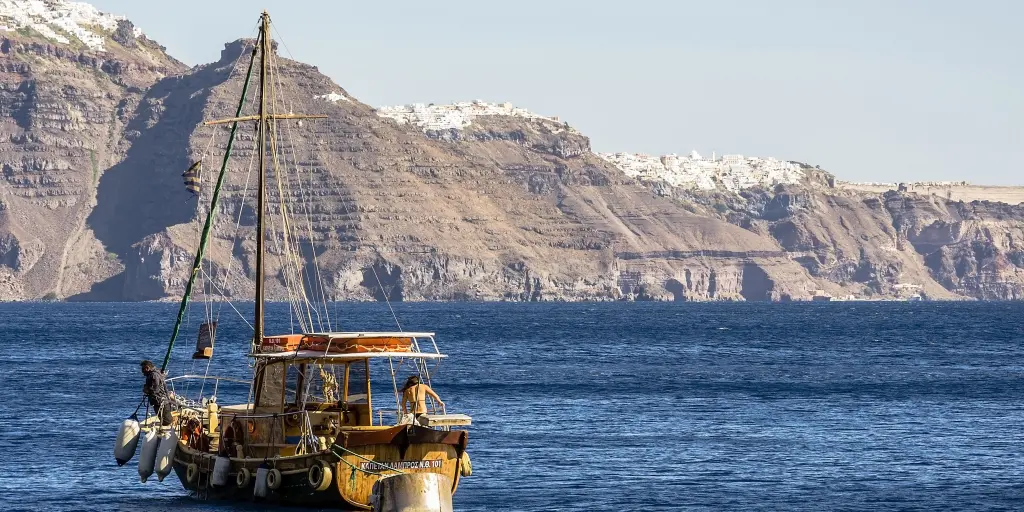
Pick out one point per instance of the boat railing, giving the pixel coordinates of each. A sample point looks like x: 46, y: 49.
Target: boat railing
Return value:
x: 217, y: 380
x: 396, y: 414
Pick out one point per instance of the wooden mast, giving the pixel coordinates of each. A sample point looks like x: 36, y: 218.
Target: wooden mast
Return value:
x: 263, y: 118
x: 261, y: 144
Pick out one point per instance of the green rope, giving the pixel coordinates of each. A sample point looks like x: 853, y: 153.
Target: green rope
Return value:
x: 209, y: 217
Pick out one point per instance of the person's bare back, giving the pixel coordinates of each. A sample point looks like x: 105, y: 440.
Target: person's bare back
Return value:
x: 416, y: 393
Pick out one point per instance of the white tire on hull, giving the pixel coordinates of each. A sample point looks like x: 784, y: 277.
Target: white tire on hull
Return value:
x: 274, y: 479
x: 126, y: 441
x: 147, y: 456
x: 165, y: 454
x: 242, y: 478
x: 221, y: 468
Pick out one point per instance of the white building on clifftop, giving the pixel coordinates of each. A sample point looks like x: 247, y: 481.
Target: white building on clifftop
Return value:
x: 731, y: 172
x: 455, y: 116
x: 57, y: 19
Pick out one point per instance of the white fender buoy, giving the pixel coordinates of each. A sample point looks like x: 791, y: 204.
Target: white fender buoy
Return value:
x: 165, y: 454
x: 126, y: 441
x: 465, y: 465
x: 242, y: 478
x: 221, y: 467
x: 320, y: 476
x: 274, y: 479
x: 260, y: 490
x: 147, y: 457
x: 422, y: 492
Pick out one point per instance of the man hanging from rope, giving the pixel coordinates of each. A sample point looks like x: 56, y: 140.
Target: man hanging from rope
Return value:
x: 155, y: 390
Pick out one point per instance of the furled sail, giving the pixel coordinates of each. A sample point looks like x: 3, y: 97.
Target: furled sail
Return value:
x: 193, y: 177
x: 204, y: 344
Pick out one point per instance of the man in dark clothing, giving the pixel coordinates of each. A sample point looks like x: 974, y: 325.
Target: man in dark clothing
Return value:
x: 155, y: 390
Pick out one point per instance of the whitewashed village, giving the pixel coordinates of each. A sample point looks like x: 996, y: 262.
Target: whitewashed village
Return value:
x: 79, y: 20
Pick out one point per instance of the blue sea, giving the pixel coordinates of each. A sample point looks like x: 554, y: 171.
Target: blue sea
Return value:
x: 589, y: 407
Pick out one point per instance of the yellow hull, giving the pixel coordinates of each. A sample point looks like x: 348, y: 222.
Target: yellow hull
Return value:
x: 357, y: 460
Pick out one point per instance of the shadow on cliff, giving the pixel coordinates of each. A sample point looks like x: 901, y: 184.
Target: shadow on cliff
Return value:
x: 144, y: 194
x: 384, y: 281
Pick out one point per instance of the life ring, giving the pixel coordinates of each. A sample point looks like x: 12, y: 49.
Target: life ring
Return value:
x: 320, y: 476
x: 243, y: 478
x: 274, y: 479
x: 465, y: 465
x: 192, y: 473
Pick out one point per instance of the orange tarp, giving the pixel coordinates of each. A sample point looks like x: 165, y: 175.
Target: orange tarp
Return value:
x: 286, y: 342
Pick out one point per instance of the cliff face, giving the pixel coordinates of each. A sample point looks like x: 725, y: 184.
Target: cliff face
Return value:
x: 504, y: 209
x: 493, y: 207
x: 883, y: 245
x: 62, y: 112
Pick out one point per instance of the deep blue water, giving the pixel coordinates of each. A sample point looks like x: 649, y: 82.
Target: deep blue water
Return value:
x: 842, y: 406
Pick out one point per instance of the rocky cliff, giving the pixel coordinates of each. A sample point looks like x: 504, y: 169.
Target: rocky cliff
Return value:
x: 63, y: 108
x: 495, y: 205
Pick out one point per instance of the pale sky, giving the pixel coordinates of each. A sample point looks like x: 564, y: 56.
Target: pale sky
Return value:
x: 872, y: 90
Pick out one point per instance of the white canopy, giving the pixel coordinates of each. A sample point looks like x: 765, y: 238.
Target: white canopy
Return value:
x: 320, y: 354
x: 353, y: 335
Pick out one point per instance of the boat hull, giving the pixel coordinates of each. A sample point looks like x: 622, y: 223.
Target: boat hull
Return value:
x: 357, y: 461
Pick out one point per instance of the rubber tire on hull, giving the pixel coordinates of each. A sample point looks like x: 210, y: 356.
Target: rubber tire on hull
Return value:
x: 243, y: 478
x: 320, y: 477
x: 274, y: 479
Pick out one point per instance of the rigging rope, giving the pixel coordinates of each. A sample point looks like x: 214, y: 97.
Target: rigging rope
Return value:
x: 305, y: 198
x: 306, y: 202
x: 293, y: 258
x: 235, y: 237
x: 209, y: 220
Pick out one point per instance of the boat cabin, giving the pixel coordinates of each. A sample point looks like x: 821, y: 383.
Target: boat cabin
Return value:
x: 309, y: 388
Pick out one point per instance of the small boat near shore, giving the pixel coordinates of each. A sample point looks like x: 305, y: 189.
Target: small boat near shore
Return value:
x: 311, y: 432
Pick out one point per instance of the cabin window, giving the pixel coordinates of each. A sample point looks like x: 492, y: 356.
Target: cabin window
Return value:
x: 270, y: 392
x: 294, y: 384
x: 323, y: 383
x: 356, y: 391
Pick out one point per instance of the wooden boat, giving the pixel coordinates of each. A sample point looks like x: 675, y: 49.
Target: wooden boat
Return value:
x: 309, y: 434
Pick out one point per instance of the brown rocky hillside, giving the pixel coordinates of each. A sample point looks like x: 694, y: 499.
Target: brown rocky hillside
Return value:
x: 92, y: 206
